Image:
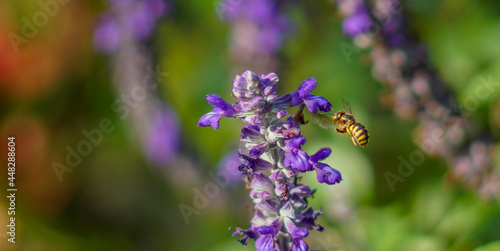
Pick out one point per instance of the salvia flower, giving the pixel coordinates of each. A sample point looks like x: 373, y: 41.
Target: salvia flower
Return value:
x: 272, y: 158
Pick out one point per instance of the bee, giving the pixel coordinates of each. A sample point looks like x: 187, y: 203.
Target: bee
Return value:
x: 345, y: 123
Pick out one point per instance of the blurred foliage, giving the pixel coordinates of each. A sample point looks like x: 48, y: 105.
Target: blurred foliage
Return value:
x: 57, y: 85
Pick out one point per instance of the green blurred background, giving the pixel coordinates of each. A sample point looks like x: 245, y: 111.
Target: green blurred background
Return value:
x: 57, y: 85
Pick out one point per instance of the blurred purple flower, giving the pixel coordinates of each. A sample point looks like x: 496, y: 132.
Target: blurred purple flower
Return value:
x: 162, y: 141
x: 141, y: 21
x: 158, y: 7
x: 228, y: 167
x: 269, y: 24
x: 392, y: 31
x: 107, y: 35
x: 134, y: 17
x: 358, y: 22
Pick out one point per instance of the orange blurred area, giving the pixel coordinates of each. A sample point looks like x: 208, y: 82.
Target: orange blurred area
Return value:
x: 37, y: 183
x: 33, y: 63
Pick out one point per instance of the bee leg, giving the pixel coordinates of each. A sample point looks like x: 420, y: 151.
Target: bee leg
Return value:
x: 354, y: 141
x: 340, y: 131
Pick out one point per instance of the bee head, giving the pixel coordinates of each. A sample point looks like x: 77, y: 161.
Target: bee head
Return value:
x: 338, y: 116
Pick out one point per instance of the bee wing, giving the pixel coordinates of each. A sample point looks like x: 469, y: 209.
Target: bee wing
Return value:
x: 323, y: 120
x: 347, y: 106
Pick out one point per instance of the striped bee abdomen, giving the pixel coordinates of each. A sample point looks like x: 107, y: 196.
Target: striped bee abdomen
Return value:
x: 359, y: 132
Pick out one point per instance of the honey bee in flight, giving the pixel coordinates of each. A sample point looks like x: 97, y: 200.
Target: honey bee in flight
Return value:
x: 345, y: 123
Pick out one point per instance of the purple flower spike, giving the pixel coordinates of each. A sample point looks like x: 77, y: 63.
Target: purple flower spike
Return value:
x: 273, y: 158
